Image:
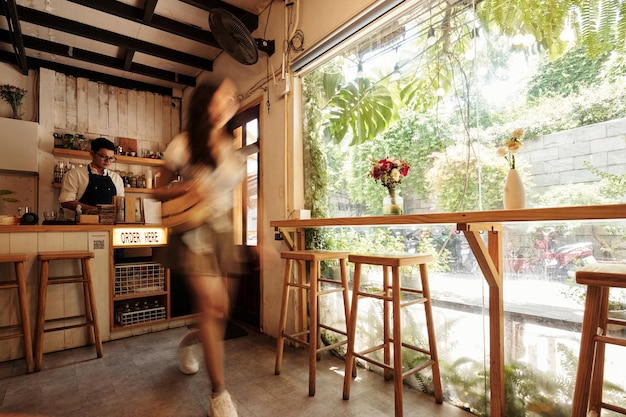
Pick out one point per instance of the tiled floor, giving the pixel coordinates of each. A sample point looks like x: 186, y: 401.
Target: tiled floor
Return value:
x: 139, y: 377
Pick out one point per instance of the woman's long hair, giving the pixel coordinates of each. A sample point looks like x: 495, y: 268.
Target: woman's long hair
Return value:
x: 198, y: 124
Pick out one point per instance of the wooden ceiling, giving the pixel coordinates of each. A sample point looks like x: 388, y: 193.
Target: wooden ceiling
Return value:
x: 150, y: 45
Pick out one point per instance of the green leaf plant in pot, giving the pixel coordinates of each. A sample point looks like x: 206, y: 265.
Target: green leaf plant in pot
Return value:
x: 13, y: 96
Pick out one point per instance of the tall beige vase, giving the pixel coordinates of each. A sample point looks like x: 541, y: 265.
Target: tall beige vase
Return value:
x: 514, y: 196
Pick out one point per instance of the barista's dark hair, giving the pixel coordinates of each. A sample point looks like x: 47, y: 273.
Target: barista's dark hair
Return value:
x: 100, y: 143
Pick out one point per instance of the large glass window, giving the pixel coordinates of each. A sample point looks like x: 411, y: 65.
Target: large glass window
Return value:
x: 442, y: 87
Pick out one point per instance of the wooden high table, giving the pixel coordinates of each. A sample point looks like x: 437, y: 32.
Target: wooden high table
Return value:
x: 489, y: 257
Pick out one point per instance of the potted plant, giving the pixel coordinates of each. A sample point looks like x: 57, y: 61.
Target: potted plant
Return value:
x: 13, y: 95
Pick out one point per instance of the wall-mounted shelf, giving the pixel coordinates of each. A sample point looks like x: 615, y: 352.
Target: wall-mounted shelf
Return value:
x: 126, y: 190
x: 131, y: 160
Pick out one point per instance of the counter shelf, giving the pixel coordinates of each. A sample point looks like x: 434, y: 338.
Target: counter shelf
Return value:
x: 140, y: 292
x: 489, y: 256
x: 131, y: 160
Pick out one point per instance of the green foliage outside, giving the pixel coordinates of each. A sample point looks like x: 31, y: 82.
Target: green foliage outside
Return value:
x: 566, y: 75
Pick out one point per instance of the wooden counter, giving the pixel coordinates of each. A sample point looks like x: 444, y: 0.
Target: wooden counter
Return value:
x: 489, y: 257
x: 615, y: 211
x: 65, y: 300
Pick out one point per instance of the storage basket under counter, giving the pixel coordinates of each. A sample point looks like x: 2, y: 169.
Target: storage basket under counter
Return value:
x: 140, y: 293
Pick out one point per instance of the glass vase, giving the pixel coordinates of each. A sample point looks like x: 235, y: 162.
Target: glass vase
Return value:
x: 393, y: 204
x: 15, y: 108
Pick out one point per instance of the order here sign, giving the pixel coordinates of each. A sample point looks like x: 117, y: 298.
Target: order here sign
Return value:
x: 139, y: 236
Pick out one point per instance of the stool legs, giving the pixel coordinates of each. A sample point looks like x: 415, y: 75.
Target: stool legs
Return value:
x: 430, y: 327
x: 586, y: 358
x: 22, y: 298
x: 90, y: 308
x: 392, y: 343
x: 312, y: 327
x: 41, y: 314
x: 280, y: 343
x: 91, y: 315
x: 350, y: 371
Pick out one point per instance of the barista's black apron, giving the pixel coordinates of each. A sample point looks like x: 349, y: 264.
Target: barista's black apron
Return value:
x: 100, y: 190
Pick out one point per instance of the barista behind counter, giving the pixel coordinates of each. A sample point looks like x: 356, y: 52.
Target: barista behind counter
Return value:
x: 93, y: 184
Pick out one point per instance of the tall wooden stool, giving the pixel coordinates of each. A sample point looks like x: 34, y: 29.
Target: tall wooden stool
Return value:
x: 313, y: 258
x: 598, y: 278
x: 394, y: 298
x: 18, y: 259
x: 90, y: 315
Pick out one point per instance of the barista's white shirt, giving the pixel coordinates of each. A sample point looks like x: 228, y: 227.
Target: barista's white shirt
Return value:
x: 76, y: 180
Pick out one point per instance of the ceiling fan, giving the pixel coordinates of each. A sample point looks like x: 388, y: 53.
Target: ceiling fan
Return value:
x: 234, y: 38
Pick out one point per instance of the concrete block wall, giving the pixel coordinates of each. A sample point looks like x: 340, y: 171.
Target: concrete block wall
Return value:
x: 557, y: 159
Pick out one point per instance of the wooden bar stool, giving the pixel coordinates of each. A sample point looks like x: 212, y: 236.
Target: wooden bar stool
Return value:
x: 18, y: 259
x: 599, y: 279
x: 394, y: 298
x: 90, y: 315
x: 313, y: 258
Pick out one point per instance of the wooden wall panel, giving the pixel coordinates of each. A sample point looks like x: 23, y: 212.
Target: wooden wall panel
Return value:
x: 92, y: 101
x: 96, y: 109
x: 122, y: 112
x: 176, y: 125
x: 158, y: 118
x: 112, y: 92
x: 149, y: 118
x: 70, y: 103
x: 103, y: 110
x: 132, y: 114
x: 141, y: 115
x: 82, y: 104
x: 59, y: 101
x: 166, y: 112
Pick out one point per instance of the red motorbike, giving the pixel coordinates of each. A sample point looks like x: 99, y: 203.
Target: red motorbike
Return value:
x: 562, y: 261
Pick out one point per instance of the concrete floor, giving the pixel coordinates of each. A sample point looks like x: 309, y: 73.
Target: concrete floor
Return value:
x: 139, y: 377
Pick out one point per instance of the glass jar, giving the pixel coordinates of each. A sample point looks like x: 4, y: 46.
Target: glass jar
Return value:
x: 58, y: 140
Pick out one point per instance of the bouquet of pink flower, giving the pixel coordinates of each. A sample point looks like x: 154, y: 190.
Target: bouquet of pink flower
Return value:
x: 389, y: 171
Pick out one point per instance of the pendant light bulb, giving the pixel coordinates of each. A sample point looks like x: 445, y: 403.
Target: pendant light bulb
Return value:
x: 431, y: 38
x: 395, y: 75
x: 359, y: 72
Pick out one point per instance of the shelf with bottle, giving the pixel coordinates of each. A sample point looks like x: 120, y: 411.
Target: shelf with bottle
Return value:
x: 127, y: 190
x: 131, y: 160
x: 140, y: 293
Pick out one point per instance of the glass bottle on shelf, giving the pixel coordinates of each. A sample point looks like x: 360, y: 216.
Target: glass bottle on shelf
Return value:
x: 69, y: 141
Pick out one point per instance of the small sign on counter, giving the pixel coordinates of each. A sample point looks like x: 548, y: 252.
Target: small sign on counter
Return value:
x: 139, y: 236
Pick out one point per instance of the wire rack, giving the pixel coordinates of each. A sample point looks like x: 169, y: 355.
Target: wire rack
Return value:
x: 142, y: 316
x: 139, y: 278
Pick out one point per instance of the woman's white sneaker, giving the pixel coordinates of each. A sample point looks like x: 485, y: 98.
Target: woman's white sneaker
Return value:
x: 188, y: 362
x: 222, y: 406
